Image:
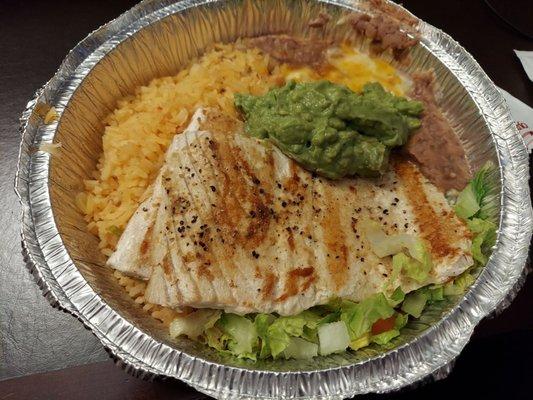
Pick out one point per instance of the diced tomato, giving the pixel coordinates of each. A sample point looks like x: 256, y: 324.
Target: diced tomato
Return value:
x: 383, y: 325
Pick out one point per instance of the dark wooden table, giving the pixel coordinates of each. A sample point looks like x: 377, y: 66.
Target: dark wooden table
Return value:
x: 35, y: 37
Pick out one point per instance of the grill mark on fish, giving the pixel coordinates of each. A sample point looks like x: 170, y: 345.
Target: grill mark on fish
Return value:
x: 205, y: 215
x: 227, y: 267
x: 293, y: 183
x: 209, y: 267
x: 168, y: 267
x: 307, y: 283
x: 334, y: 240
x: 318, y: 235
x: 203, y: 270
x: 241, y: 180
x: 270, y: 162
x: 275, y: 257
x: 312, y: 248
x: 429, y: 223
x: 290, y: 239
x: 166, y: 261
x: 145, y: 245
x: 175, y: 249
x: 292, y: 286
x: 302, y: 185
x: 180, y: 250
x: 204, y: 285
x: 267, y: 184
x: 245, y: 152
x: 169, y: 281
x: 229, y: 212
x: 185, y: 282
x: 289, y: 219
x: 202, y: 256
x: 268, y: 285
x: 286, y: 259
x: 258, y: 227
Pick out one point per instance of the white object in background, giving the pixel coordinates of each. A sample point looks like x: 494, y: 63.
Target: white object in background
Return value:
x: 526, y: 58
x: 523, y: 115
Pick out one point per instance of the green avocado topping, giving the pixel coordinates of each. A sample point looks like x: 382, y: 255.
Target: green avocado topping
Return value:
x: 330, y: 129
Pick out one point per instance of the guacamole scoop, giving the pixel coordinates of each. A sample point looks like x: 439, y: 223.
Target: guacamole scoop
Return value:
x: 330, y: 129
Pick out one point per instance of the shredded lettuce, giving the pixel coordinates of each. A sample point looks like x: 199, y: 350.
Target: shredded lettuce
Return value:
x: 241, y: 333
x: 419, y: 252
x: 459, y: 284
x: 410, y: 255
x: 401, y: 321
x: 436, y: 293
x: 467, y: 204
x: 216, y: 339
x: 414, y: 303
x: 312, y: 321
x: 262, y: 322
x: 312, y: 318
x: 333, y: 316
x: 416, y: 266
x: 385, y: 337
x: 479, y: 198
x: 194, y: 324
x: 411, y: 267
x: 311, y: 335
x: 359, y: 317
x: 478, y: 205
x: 484, y: 238
x: 280, y: 332
x: 396, y: 297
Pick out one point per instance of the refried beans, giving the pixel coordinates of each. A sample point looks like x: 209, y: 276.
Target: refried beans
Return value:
x: 435, y: 146
x: 291, y: 50
x: 385, y: 33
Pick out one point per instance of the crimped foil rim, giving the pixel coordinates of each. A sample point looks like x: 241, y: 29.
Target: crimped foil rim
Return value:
x: 45, y: 253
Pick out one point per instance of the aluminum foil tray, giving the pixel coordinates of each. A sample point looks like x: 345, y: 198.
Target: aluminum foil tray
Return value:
x: 157, y: 38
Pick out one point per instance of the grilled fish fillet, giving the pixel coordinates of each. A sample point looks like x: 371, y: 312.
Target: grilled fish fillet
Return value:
x: 234, y: 224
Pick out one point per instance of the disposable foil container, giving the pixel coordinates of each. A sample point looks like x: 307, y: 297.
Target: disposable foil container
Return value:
x: 157, y: 38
